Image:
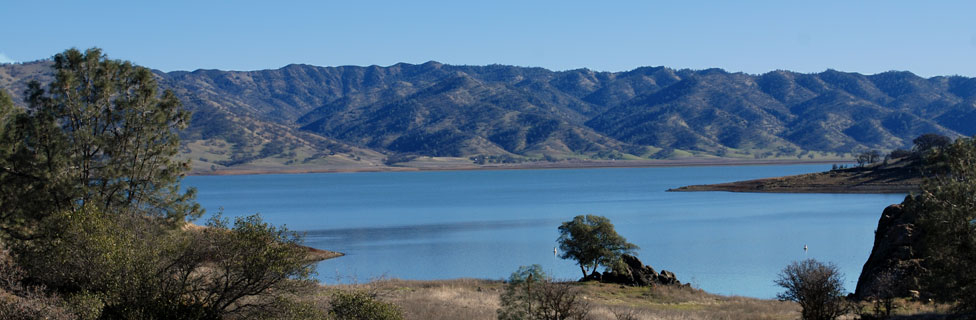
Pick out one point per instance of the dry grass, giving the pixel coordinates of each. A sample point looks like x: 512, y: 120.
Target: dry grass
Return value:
x: 471, y: 299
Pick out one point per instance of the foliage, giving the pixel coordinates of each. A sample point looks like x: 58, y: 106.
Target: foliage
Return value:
x: 362, y: 305
x: 135, y: 268
x: 19, y: 301
x: 530, y: 294
x: 868, y: 157
x: 91, y: 203
x: 100, y: 134
x: 816, y: 286
x: 947, y: 224
x: 925, y: 143
x: 592, y: 242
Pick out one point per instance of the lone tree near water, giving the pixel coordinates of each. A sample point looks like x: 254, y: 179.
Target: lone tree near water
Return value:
x: 592, y: 242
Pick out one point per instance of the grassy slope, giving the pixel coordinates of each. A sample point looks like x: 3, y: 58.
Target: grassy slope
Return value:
x: 897, y: 177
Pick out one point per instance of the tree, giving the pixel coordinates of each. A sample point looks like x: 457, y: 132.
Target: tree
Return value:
x: 531, y: 294
x: 946, y: 209
x: 929, y: 141
x: 816, y: 286
x: 592, y: 242
x: 90, y: 202
x: 100, y: 134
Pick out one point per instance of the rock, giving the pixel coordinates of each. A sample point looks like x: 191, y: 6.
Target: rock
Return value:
x: 637, y: 274
x: 595, y: 276
x: 894, y: 265
x: 667, y: 278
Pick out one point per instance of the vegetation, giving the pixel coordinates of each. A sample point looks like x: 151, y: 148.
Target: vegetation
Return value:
x: 531, y: 294
x: 91, y: 209
x: 358, y: 305
x: 100, y: 135
x: 816, y: 286
x: 592, y: 242
x: 947, y: 223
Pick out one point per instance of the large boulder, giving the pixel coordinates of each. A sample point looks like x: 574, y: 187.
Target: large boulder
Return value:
x: 894, y: 264
x: 634, y: 273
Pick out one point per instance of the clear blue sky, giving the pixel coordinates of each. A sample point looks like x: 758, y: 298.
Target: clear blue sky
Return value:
x: 926, y: 37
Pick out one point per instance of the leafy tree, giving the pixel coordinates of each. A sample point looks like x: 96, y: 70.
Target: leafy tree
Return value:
x: 816, y: 286
x: 929, y: 141
x: 592, y: 242
x: 947, y: 223
x: 100, y: 134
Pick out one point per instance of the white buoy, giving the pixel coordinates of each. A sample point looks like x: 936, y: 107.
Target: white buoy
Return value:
x: 805, y: 248
x: 555, y: 251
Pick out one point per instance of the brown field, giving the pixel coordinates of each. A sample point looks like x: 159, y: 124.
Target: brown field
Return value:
x: 474, y: 299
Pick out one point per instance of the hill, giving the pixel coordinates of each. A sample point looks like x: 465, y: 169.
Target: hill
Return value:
x: 349, y: 117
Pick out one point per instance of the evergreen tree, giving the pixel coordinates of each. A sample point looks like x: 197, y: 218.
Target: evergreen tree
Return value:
x: 100, y: 134
x: 947, y: 224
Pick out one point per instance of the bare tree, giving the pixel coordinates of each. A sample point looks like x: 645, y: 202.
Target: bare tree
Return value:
x: 816, y: 286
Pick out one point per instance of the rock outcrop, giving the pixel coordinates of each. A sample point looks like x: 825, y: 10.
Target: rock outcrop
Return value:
x: 894, y: 264
x: 635, y: 274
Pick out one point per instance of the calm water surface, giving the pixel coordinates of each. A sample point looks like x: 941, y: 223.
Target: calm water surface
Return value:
x: 484, y: 224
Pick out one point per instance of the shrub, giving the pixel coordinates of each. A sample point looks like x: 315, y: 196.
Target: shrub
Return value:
x: 530, y: 294
x: 362, y: 305
x: 128, y: 267
x: 816, y: 286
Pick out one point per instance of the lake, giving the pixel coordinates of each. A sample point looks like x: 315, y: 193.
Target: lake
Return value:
x: 486, y: 223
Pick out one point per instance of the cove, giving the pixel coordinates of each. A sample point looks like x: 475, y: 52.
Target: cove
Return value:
x: 486, y: 223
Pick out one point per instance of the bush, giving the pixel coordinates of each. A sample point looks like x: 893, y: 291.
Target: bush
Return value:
x: 128, y: 267
x: 362, y: 305
x: 816, y: 286
x: 530, y: 294
x: 18, y: 301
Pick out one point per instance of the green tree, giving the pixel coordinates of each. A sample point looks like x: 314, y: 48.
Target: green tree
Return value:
x: 100, y: 134
x: 816, y: 286
x: 946, y: 209
x: 592, y: 242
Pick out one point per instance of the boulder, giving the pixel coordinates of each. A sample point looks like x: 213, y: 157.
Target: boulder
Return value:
x: 894, y: 264
x: 635, y: 273
x: 667, y: 278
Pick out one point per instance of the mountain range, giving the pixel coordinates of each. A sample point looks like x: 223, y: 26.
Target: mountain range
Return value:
x: 308, y: 115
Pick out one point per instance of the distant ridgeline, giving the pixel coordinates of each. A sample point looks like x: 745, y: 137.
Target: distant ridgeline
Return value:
x: 303, y: 114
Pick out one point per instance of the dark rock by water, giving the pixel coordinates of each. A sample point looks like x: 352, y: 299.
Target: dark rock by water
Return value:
x: 894, y: 264
x: 635, y: 273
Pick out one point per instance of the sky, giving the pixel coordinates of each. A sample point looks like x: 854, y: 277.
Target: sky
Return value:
x: 928, y: 38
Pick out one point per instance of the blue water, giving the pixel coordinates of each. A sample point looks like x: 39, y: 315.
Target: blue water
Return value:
x: 484, y: 224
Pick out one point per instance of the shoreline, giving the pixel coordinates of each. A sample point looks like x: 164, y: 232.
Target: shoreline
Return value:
x: 581, y: 164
